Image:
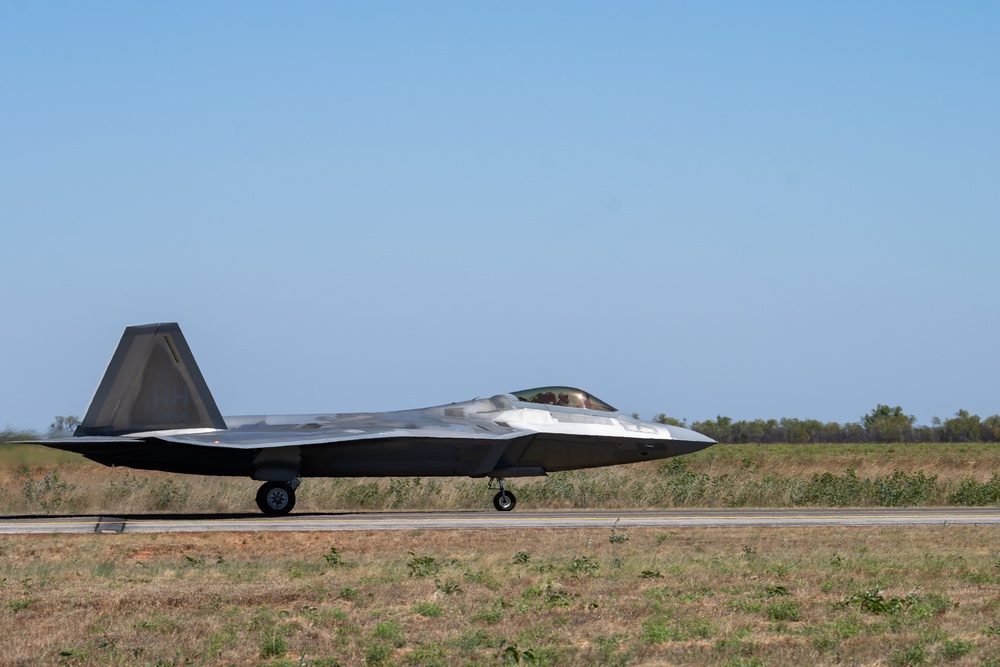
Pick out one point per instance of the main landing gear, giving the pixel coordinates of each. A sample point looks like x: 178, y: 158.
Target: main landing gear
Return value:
x: 504, y: 500
x: 277, y: 498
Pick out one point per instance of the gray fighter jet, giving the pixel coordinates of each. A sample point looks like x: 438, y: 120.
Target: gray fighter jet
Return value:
x: 153, y: 411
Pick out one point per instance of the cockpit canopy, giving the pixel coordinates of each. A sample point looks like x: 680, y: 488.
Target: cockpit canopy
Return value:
x: 566, y: 396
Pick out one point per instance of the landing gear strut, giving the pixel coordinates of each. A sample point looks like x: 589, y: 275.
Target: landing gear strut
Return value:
x: 277, y: 498
x: 504, y: 500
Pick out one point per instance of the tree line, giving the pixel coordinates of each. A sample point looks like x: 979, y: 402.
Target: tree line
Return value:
x: 883, y: 424
x: 61, y: 427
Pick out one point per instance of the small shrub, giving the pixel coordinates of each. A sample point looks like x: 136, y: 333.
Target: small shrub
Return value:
x: 333, y: 558
x: 104, y: 568
x: 470, y: 640
x: 910, y: 655
x: 660, y: 629
x: 365, y: 494
x: 973, y: 493
x: 428, y: 609
x: 558, y: 597
x: 956, y: 648
x: 873, y: 601
x: 429, y: 655
x: 169, y: 493
x: 584, y: 565
x: 18, y: 604
x: 512, y: 655
x: 50, y: 492
x: 618, y: 536
x: 488, y: 616
x: 784, y: 610
x: 674, y: 466
x: 447, y: 587
x: 378, y: 654
x: 391, y: 632
x: 738, y: 646
x: 927, y: 606
x: 482, y: 579
x: 273, y: 647
x: 902, y: 490
x: 126, y: 487
x: 824, y: 644
x: 897, y: 490
x: 422, y: 566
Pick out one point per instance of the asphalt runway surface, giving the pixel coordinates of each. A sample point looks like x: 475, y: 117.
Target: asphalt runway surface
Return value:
x: 491, y: 520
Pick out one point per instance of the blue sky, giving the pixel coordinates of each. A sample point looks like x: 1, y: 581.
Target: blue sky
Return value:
x: 748, y: 209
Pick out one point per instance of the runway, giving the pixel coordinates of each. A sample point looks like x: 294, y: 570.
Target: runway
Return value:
x: 481, y: 520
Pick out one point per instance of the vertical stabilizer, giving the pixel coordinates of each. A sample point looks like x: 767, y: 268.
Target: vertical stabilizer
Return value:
x: 151, y: 384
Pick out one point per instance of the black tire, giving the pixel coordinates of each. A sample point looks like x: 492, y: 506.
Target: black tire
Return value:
x: 504, y: 501
x: 276, y: 498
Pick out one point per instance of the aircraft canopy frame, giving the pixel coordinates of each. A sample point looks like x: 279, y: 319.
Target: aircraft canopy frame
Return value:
x: 569, y: 397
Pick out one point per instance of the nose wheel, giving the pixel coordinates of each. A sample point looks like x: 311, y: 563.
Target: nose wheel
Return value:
x: 276, y: 498
x: 504, y: 500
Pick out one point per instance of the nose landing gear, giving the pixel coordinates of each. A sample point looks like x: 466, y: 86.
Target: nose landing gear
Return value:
x: 504, y: 500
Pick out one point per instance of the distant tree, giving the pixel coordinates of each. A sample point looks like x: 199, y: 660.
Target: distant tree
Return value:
x: 744, y: 431
x: 991, y: 429
x: 832, y: 432
x: 800, y: 430
x: 963, y: 427
x: 772, y: 429
x: 925, y: 434
x: 719, y: 430
x: 63, y: 426
x: 885, y: 424
x: 670, y: 421
x: 854, y: 432
x: 11, y: 434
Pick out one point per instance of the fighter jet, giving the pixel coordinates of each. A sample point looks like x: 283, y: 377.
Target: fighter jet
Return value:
x: 153, y: 411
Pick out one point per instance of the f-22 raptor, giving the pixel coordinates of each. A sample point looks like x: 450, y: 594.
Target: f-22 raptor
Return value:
x: 153, y: 411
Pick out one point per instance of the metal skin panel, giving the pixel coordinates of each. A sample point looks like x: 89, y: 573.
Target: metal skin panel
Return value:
x: 153, y: 411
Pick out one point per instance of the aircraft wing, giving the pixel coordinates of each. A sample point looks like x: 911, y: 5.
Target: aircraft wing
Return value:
x: 267, y: 439
x: 262, y: 432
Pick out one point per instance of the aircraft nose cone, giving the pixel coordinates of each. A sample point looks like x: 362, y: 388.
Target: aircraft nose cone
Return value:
x: 693, y: 441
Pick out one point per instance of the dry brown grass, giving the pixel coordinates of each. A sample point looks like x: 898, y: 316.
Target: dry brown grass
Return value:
x: 728, y: 475
x: 692, y: 596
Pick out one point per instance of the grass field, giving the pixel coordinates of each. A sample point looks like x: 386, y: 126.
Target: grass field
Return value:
x: 808, y: 596
x: 805, y: 596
